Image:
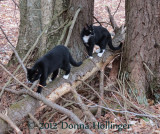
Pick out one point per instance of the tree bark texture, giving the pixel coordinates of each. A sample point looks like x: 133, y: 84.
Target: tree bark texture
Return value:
x: 60, y: 86
x: 141, y: 58
x: 35, y: 15
x: 85, y: 16
x: 30, y: 26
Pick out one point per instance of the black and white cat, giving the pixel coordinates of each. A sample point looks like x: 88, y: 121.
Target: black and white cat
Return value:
x: 57, y: 58
x: 97, y: 35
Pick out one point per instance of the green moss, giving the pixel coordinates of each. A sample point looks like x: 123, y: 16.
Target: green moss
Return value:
x: 16, y: 105
x: 19, y: 104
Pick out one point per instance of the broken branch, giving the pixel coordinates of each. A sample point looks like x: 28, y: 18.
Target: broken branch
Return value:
x: 61, y: 109
x: 10, y: 122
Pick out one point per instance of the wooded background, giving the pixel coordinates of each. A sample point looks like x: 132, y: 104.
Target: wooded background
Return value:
x: 122, y: 86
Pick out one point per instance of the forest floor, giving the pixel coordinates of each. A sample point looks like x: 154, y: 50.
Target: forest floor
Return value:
x: 9, y: 21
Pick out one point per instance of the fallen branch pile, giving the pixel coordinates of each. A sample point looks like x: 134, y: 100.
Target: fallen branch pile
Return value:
x: 58, y: 88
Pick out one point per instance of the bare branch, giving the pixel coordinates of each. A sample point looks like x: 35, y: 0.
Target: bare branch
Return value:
x: 14, y: 50
x: 15, y: 3
x: 113, y: 23
x: 37, y: 122
x: 117, y: 8
x: 34, y: 45
x: 101, y: 91
x: 100, y: 99
x: 84, y: 108
x: 64, y: 32
x: 71, y: 27
x: 61, y: 109
x: 97, y: 21
x: 123, y: 112
x: 16, y: 54
x: 10, y: 122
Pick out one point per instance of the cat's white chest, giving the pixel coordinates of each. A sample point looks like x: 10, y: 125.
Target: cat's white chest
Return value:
x: 86, y: 38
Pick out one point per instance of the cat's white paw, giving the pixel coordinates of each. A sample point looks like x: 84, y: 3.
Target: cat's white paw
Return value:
x: 90, y: 57
x: 66, y: 76
x: 50, y: 80
x: 28, y: 82
x: 97, y: 51
x: 100, y: 54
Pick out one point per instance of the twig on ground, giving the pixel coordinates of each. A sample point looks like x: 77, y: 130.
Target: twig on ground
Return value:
x: 37, y: 122
x: 101, y: 92
x: 100, y: 98
x: 83, y: 106
x: 10, y: 122
x: 61, y: 109
x: 147, y: 113
x: 122, y: 112
x: 85, y: 109
x: 66, y: 105
x: 23, y: 91
x: 123, y: 92
x: 148, y: 69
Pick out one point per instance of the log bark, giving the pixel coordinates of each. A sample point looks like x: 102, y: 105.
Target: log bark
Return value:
x: 49, y: 103
x: 57, y: 88
x: 60, y: 86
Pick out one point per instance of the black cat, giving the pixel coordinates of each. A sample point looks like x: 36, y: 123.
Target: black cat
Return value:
x: 58, y: 57
x: 97, y: 35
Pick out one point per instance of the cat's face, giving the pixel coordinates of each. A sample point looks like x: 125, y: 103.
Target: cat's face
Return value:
x: 32, y: 75
x: 88, y: 30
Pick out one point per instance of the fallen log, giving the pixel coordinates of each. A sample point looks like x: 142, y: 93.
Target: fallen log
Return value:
x: 59, y: 87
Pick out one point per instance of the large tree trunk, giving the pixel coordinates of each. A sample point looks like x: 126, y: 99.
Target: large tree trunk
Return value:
x: 141, y: 57
x: 35, y: 15
x: 30, y: 26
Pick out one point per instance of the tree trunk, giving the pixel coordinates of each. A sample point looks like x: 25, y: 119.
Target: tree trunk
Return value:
x: 85, y: 16
x: 141, y: 57
x: 35, y: 15
x: 30, y: 26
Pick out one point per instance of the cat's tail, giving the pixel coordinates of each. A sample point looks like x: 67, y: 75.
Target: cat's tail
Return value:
x: 73, y: 62
x: 112, y: 47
